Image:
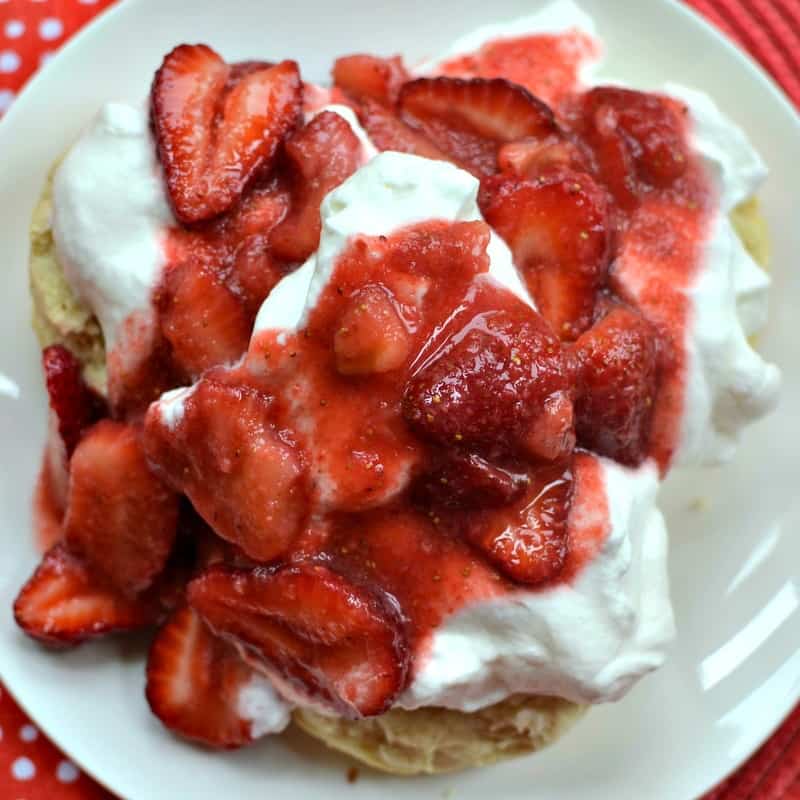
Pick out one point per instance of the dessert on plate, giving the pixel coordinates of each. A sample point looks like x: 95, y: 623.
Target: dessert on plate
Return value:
x: 361, y: 396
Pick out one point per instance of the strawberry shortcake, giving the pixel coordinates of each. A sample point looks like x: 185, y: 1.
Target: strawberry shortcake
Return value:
x: 361, y: 396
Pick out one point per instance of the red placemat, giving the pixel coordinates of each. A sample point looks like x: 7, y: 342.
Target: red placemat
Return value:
x: 31, y: 768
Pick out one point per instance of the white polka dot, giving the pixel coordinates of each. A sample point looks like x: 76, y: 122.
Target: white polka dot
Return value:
x: 45, y: 57
x: 67, y: 772
x: 87, y: 2
x: 28, y: 733
x: 14, y: 28
x: 6, y: 97
x: 50, y: 28
x: 23, y: 769
x: 9, y: 61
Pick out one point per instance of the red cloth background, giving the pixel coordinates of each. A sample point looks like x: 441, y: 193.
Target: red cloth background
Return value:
x: 31, y: 768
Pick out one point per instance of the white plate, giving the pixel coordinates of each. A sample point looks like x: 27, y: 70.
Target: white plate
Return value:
x: 735, y: 670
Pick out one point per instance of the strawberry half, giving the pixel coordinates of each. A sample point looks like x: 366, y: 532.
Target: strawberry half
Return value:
x: 203, y: 320
x: 120, y: 517
x: 75, y: 405
x: 617, y: 383
x: 226, y: 455
x: 366, y: 77
x: 322, y: 155
x: 558, y: 229
x: 194, y: 681
x: 213, y: 134
x: 468, y: 119
x: 328, y: 638
x: 63, y: 603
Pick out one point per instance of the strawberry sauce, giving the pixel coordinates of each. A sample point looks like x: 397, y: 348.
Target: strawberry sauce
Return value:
x: 547, y: 65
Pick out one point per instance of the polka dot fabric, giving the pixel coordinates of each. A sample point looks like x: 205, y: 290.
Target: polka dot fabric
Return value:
x: 31, y: 768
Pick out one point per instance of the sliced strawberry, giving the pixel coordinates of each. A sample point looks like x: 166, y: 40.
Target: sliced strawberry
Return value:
x: 213, y: 134
x: 488, y: 381
x: 467, y: 119
x: 371, y: 336
x: 322, y: 155
x: 388, y: 132
x: 617, y: 382
x: 328, y: 638
x: 530, y: 157
x: 366, y: 77
x: 635, y: 136
x: 75, y: 405
x: 529, y: 543
x: 194, y: 682
x: 227, y: 456
x: 470, y: 481
x: 203, y: 320
x: 241, y: 69
x: 64, y: 604
x: 120, y: 517
x: 558, y: 230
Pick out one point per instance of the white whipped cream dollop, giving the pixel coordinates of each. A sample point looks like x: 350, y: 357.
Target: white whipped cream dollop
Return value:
x: 729, y: 384
x: 587, y: 641
x: 262, y: 706
x: 110, y: 215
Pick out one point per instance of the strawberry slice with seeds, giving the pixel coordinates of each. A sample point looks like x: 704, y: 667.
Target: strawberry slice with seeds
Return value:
x: 326, y: 637
x: 227, y: 456
x: 195, y: 681
x: 529, y: 541
x: 75, y: 405
x: 369, y: 77
x: 215, y: 134
x: 322, y: 155
x: 203, y: 320
x: 371, y: 336
x: 64, y: 604
x: 469, y: 118
x: 488, y: 381
x: 617, y: 383
x: 558, y: 229
x: 120, y: 517
x: 388, y: 132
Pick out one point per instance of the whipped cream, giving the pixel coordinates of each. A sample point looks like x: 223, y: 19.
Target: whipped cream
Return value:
x: 260, y: 704
x: 588, y: 641
x: 729, y: 384
x: 110, y: 214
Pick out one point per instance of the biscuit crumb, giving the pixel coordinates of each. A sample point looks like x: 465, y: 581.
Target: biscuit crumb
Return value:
x: 353, y: 774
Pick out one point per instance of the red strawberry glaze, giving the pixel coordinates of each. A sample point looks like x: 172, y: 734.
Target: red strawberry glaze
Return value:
x: 363, y: 461
x: 547, y: 65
